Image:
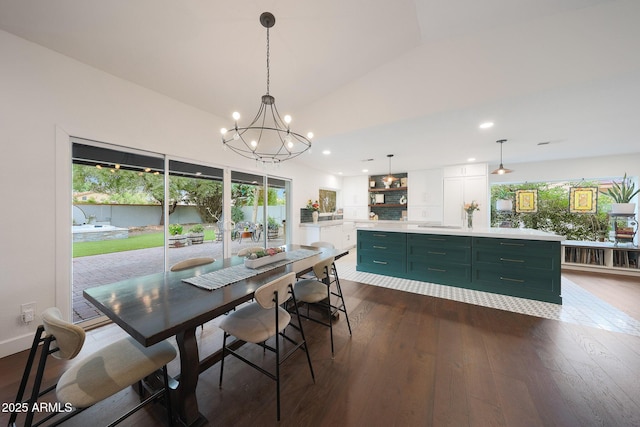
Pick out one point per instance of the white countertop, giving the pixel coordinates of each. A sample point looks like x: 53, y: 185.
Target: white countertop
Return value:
x: 320, y: 224
x: 500, y: 233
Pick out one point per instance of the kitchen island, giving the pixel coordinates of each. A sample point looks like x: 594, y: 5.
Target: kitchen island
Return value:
x: 517, y: 262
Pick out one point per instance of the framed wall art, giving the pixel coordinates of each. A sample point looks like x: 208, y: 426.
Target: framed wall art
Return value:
x: 583, y: 199
x: 327, y: 200
x: 527, y: 201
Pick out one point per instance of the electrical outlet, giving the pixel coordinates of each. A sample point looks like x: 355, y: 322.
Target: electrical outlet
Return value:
x: 28, y: 312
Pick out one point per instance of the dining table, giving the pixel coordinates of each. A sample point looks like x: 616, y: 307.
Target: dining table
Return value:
x: 155, y: 307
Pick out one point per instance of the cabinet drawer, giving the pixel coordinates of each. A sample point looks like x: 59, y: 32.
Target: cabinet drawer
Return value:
x: 438, y: 241
x: 382, y: 263
x: 444, y: 273
x: 444, y: 255
x: 517, y: 280
x: 511, y: 246
x: 382, y: 242
x: 516, y: 259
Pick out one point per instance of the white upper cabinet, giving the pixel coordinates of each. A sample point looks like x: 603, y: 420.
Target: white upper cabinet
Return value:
x: 472, y: 169
x: 424, y: 195
x: 424, y: 187
x: 464, y: 184
x: 355, y: 197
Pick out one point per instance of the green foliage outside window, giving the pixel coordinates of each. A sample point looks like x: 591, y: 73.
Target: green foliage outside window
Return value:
x: 553, y: 211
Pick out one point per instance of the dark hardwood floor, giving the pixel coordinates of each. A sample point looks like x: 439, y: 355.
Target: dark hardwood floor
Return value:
x: 417, y: 361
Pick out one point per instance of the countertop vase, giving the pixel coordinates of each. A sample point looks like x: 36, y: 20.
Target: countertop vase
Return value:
x: 315, y: 215
x: 470, y: 220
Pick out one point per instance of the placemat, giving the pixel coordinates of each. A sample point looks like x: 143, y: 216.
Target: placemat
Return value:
x: 229, y: 275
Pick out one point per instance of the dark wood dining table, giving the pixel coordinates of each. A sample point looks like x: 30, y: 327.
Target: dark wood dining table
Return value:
x: 159, y: 306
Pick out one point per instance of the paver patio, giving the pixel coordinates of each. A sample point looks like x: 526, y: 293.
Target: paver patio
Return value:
x: 98, y: 270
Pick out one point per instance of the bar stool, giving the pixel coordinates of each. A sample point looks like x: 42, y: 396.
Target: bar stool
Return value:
x: 319, y: 291
x: 98, y: 376
x: 263, y: 319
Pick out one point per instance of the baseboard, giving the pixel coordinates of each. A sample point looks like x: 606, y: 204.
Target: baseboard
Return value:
x: 16, y: 344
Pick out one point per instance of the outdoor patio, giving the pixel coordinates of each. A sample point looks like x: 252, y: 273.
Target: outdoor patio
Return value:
x: 98, y: 270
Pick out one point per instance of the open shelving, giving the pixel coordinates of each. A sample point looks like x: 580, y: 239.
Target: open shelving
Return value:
x: 394, y: 205
x: 604, y: 257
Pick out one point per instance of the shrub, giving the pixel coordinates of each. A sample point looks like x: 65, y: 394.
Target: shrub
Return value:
x: 175, y: 229
x: 197, y: 228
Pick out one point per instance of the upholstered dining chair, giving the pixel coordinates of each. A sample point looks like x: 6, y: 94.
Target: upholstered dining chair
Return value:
x: 261, y: 320
x: 325, y: 292
x: 113, y: 368
x: 191, y: 262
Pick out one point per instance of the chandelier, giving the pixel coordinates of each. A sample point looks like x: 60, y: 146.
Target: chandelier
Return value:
x: 268, y: 139
x: 501, y: 170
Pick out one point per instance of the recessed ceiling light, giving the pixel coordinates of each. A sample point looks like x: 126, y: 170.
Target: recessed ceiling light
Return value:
x: 486, y: 125
x: 471, y: 159
x: 365, y: 170
x: 326, y: 152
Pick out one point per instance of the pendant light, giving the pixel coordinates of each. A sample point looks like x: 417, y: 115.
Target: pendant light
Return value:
x: 388, y: 180
x: 501, y: 170
x: 268, y: 139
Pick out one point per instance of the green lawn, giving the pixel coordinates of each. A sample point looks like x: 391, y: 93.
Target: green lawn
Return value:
x: 142, y: 241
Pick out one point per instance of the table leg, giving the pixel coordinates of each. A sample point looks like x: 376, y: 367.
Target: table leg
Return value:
x: 187, y: 404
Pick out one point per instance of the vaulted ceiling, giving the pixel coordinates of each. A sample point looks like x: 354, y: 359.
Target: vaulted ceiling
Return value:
x: 413, y: 78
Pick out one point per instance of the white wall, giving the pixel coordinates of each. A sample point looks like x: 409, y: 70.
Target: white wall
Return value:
x: 45, y: 98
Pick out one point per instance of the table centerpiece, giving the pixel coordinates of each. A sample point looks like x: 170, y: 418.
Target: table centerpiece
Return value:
x: 260, y: 257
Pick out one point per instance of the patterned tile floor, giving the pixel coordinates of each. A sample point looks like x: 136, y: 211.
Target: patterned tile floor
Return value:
x: 578, y: 306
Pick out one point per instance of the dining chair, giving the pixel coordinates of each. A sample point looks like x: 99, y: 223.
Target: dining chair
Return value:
x: 107, y: 371
x: 323, y: 291
x: 261, y: 320
x: 191, y: 262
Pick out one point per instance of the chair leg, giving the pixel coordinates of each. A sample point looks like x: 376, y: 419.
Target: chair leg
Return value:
x: 277, y: 369
x: 224, y: 349
x: 330, y: 319
x: 35, y: 393
x: 341, y: 296
x: 37, y: 339
x: 167, y: 395
x: 304, y: 339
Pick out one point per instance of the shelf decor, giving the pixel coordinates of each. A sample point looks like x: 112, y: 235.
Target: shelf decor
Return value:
x: 583, y: 200
x: 527, y: 201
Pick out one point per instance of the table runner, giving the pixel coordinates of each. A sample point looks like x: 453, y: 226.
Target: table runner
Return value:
x: 227, y: 276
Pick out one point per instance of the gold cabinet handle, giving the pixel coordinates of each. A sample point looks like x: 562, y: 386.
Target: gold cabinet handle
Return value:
x: 512, y: 280
x: 436, y: 253
x: 379, y: 262
x: 379, y: 247
x: 436, y: 269
x: 511, y: 260
x: 511, y: 244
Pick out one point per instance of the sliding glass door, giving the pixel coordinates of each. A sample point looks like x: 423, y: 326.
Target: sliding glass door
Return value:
x: 131, y: 218
x: 195, y: 226
x: 118, y: 197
